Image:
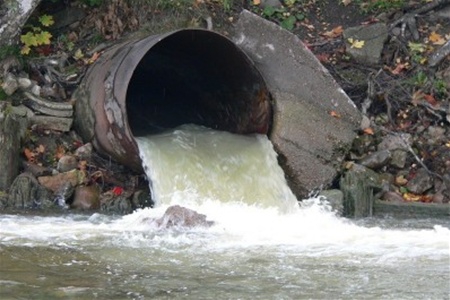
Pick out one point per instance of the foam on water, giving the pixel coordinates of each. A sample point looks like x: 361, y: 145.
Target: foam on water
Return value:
x: 203, y: 170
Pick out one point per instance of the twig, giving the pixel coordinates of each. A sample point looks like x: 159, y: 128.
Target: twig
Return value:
x: 439, y: 55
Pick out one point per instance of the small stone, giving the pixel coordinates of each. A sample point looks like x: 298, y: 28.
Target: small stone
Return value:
x: 24, y: 83
x: 10, y: 84
x: 398, y: 158
x: 394, y: 142
x: 86, y: 198
x: 178, y: 216
x: 376, y: 160
x: 421, y: 182
x: 392, y: 197
x: 85, y: 151
x: 67, y: 163
x: 36, y: 90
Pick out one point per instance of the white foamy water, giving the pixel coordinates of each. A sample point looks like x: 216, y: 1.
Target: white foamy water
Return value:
x: 263, y: 245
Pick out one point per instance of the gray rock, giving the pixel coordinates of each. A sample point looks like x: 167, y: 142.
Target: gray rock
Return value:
x: 142, y: 198
x: 26, y: 193
x: 398, y: 158
x: 394, y: 142
x: 85, y: 151
x: 436, y: 134
x: 10, y: 84
x: 116, y: 205
x: 271, y: 3
x: 421, y: 182
x: 24, y: 83
x: 374, y: 37
x: 376, y: 160
x: 67, y: 163
x: 36, y: 90
x: 311, y: 142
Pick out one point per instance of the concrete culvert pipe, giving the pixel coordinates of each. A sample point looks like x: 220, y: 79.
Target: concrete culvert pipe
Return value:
x: 188, y: 76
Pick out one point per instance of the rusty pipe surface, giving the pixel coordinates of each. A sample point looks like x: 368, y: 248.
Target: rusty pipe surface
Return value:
x: 145, y: 86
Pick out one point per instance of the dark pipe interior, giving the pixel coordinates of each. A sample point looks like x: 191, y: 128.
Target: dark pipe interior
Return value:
x: 200, y: 77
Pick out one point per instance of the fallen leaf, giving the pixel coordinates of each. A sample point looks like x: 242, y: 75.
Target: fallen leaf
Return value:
x: 59, y: 152
x: 368, y: 131
x: 430, y: 99
x: 417, y: 47
x: 256, y: 2
x: 40, y: 149
x: 411, y: 197
x: 354, y: 43
x: 400, y: 180
x: 399, y: 68
x: 436, y: 39
x: 333, y: 33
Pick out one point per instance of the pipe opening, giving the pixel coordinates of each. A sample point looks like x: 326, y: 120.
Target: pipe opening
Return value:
x: 201, y: 77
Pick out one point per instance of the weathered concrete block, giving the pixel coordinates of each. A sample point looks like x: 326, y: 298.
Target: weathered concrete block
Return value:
x: 314, y: 120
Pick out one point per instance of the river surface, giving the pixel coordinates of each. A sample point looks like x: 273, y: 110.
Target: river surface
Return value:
x: 261, y: 246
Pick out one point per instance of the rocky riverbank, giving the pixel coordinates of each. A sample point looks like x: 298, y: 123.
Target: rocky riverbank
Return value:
x: 401, y: 154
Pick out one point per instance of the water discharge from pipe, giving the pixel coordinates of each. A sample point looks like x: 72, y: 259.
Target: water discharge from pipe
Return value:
x: 193, y: 164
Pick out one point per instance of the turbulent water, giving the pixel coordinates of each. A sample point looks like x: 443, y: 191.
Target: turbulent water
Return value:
x: 262, y: 246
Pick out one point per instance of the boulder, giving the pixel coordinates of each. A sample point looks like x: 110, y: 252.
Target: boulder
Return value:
x: 26, y: 193
x: 178, y: 216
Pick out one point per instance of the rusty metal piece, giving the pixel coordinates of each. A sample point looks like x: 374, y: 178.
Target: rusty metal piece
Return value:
x: 144, y: 86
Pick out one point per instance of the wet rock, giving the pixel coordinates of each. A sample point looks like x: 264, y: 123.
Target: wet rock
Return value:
x: 26, y: 192
x: 398, y: 158
x: 376, y: 160
x: 374, y: 36
x: 335, y: 198
x: 85, y: 151
x: 392, y: 197
x: 63, y: 195
x: 10, y: 84
x: 67, y: 163
x: 421, y: 182
x: 86, y: 198
x: 54, y: 183
x: 115, y: 204
x: 10, y: 146
x: 55, y: 109
x: 359, y: 185
x: 142, y: 198
x: 51, y: 123
x: 178, y: 216
x: 394, y: 142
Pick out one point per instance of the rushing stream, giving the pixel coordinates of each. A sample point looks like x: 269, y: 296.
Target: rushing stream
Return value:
x: 261, y: 246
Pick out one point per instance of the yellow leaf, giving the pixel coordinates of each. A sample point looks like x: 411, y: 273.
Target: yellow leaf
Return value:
x: 436, y: 38
x: 355, y: 43
x: 256, y: 2
x: 25, y: 50
x: 78, y: 54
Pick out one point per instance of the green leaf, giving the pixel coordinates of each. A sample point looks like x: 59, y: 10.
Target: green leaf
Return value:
x: 417, y: 47
x: 300, y: 16
x: 289, y: 23
x: 43, y: 38
x: 29, y: 39
x: 269, y: 11
x: 46, y: 20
